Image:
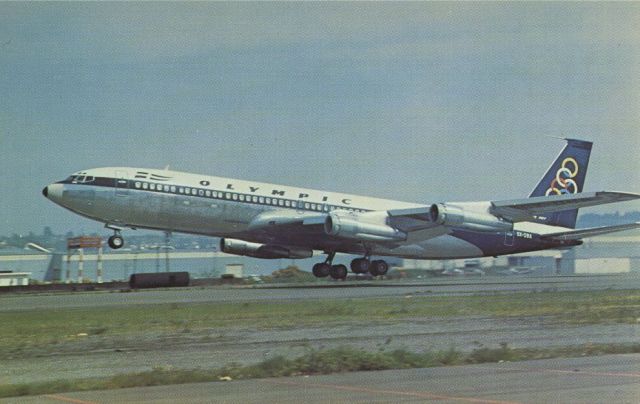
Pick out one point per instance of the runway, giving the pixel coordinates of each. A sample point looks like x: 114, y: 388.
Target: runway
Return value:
x: 355, y: 290
x: 604, y: 379
x: 212, y: 346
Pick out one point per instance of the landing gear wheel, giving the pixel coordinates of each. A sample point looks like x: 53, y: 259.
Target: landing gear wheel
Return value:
x: 360, y: 266
x: 338, y: 271
x: 321, y: 270
x: 378, y: 267
x: 115, y: 241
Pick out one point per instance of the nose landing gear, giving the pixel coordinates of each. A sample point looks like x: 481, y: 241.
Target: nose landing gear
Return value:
x: 116, y: 241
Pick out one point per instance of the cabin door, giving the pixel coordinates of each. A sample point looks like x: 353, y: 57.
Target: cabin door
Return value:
x: 122, y: 185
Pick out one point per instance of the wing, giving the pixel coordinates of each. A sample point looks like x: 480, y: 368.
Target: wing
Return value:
x: 594, y: 231
x: 407, y: 225
x: 423, y: 223
x: 521, y: 210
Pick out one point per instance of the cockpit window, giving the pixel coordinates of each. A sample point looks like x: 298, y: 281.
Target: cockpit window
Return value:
x: 80, y: 179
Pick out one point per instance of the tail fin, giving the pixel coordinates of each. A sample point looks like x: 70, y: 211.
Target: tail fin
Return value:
x: 565, y: 176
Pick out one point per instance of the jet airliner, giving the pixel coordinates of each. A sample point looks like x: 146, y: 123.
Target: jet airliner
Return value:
x: 274, y: 221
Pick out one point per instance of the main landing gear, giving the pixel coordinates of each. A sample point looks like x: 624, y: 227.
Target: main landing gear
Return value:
x: 358, y: 266
x: 324, y: 269
x: 375, y: 267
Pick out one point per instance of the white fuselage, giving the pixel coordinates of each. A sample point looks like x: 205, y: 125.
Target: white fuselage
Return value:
x: 223, y: 207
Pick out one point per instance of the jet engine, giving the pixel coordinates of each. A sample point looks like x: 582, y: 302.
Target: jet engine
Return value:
x: 471, y: 219
x: 267, y: 251
x: 363, y: 227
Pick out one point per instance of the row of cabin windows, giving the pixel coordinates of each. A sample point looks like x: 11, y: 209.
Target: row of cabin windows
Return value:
x: 262, y: 200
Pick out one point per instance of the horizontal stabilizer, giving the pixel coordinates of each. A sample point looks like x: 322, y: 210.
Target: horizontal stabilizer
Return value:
x: 520, y: 210
x: 594, y: 231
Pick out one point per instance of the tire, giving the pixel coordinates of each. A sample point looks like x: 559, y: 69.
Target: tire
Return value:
x: 338, y: 271
x: 115, y: 242
x: 378, y: 267
x: 321, y: 270
x: 360, y: 266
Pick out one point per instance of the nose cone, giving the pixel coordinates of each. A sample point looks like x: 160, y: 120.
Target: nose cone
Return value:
x: 53, y: 192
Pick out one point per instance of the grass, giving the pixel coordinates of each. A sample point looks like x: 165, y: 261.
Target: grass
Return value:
x: 35, y: 329
x: 343, y: 359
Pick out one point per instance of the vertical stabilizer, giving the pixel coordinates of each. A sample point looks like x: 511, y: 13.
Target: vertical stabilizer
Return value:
x: 565, y: 176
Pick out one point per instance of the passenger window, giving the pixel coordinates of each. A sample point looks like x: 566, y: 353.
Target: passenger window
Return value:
x: 138, y: 184
x: 313, y: 206
x: 207, y: 193
x: 287, y: 203
x: 306, y: 205
x: 167, y: 188
x: 201, y: 192
x: 227, y: 195
x: 261, y: 199
x: 267, y: 201
x: 280, y: 202
x: 235, y: 197
x: 255, y: 199
x: 145, y: 185
x: 173, y: 189
x: 152, y: 186
x: 242, y: 197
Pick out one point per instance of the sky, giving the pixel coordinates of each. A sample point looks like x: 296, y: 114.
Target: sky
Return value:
x: 421, y: 102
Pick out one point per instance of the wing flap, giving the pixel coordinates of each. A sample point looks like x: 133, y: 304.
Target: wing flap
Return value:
x: 416, y: 222
x: 590, y: 232
x: 519, y: 210
x: 411, y: 219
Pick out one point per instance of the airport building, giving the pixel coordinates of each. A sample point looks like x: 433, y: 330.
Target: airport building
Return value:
x: 599, y: 255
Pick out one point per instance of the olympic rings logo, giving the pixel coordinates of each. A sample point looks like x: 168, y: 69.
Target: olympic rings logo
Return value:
x: 563, y: 183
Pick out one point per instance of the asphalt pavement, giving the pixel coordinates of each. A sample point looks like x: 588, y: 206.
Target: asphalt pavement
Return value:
x: 329, y: 290
x: 603, y: 379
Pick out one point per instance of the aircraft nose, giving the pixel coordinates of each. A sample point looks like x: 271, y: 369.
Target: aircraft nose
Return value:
x: 53, y: 192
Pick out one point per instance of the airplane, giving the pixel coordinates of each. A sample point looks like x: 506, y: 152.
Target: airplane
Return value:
x: 275, y: 221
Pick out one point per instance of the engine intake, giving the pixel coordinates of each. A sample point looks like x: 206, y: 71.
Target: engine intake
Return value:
x: 349, y: 225
x: 454, y: 216
x: 267, y: 251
